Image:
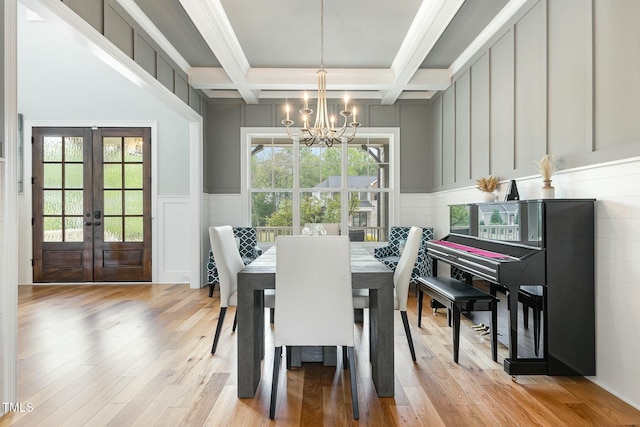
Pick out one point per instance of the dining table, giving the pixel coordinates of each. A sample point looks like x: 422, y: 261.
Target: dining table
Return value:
x: 366, y: 273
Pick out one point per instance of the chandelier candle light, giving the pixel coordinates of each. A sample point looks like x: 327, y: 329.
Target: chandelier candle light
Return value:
x: 323, y: 130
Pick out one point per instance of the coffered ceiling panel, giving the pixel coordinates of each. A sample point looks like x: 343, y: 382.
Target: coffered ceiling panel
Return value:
x: 285, y: 33
x: 377, y: 49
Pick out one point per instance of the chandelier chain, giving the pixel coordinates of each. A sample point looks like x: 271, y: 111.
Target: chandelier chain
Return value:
x: 321, y: 33
x: 324, y: 131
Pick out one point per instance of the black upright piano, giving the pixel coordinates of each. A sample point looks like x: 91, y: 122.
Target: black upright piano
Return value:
x: 548, y: 243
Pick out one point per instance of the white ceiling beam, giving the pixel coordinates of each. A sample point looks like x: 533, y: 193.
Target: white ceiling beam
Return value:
x: 288, y: 80
x: 306, y: 79
x: 430, y: 79
x: 209, y: 78
x: 431, y: 20
x: 141, y: 18
x: 210, y: 19
x: 297, y: 95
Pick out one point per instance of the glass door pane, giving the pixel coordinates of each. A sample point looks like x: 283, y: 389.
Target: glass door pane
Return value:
x: 123, y: 189
x: 63, y: 196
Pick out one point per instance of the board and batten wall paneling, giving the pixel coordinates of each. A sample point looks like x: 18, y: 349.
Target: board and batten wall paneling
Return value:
x: 530, y: 88
x: 436, y: 142
x: 463, y: 130
x: 206, y: 148
x: 260, y: 115
x: 480, y: 117
x: 91, y: 11
x: 448, y: 136
x: 617, y: 71
x: 502, y: 105
x: 194, y: 100
x: 165, y: 73
x: 144, y: 55
x: 414, y: 174
x: 569, y: 79
x: 226, y: 116
x: 113, y: 21
x: 223, y: 162
x: 384, y: 116
x: 181, y: 87
x: 118, y: 31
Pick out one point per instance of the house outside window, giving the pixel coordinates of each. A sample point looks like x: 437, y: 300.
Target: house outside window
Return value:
x: 360, y: 219
x: 291, y: 186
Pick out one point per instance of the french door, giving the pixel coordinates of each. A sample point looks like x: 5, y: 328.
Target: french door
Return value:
x: 91, y: 204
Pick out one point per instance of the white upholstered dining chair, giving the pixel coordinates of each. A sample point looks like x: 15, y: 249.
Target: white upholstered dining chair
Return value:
x: 401, y: 280
x: 229, y: 263
x: 314, y: 305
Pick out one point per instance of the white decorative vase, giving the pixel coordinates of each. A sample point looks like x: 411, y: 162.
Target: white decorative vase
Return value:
x: 489, y: 197
x: 547, y: 191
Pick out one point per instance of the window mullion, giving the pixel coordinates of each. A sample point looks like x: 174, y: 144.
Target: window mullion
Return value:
x: 344, y: 199
x: 295, y: 199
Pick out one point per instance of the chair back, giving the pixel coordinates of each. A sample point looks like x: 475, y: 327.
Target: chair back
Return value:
x: 247, y: 240
x: 402, y: 275
x: 396, y: 235
x: 228, y: 260
x: 314, y: 304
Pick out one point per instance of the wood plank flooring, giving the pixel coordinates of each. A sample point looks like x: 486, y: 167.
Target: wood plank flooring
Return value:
x: 139, y: 355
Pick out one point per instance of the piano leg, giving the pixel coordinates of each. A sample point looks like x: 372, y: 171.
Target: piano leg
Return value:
x: 494, y: 331
x: 456, y: 330
x: 513, y: 365
x: 513, y: 322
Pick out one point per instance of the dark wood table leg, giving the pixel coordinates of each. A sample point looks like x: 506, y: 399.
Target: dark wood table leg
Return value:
x: 381, y: 339
x: 420, y: 298
x: 250, y: 338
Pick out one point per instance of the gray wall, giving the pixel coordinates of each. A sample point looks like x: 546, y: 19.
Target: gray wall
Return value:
x: 558, y: 79
x: 111, y: 20
x: 226, y: 117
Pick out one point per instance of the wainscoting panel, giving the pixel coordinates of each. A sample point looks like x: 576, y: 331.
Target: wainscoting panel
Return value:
x: 173, y: 240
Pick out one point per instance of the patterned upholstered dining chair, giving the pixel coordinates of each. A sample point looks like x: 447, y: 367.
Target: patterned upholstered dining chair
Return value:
x: 247, y: 242
x: 401, y: 280
x: 390, y: 254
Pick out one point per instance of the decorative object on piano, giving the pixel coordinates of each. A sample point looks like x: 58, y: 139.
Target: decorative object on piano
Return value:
x: 512, y: 192
x: 488, y: 186
x: 546, y: 167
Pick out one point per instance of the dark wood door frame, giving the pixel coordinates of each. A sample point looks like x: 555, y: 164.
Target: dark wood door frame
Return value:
x: 66, y: 256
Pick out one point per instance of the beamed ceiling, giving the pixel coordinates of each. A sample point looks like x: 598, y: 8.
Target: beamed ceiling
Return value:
x: 374, y: 49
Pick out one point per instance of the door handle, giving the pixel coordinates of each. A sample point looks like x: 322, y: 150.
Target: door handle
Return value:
x: 88, y: 223
x: 97, y: 223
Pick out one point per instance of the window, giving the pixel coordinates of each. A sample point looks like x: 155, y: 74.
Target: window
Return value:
x: 290, y: 185
x: 360, y: 219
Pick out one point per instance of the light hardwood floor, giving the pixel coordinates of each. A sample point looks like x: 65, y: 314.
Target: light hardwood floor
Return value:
x: 140, y: 355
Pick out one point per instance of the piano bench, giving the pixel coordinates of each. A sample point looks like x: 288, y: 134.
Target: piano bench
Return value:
x: 532, y: 297
x: 457, y: 296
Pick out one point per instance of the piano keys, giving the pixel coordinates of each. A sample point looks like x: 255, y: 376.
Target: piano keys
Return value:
x: 549, y: 243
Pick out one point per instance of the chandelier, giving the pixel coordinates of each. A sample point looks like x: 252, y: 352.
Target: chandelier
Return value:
x: 323, y: 131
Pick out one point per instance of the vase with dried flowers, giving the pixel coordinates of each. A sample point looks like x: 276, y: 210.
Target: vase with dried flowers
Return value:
x: 488, y: 186
x: 546, y: 167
